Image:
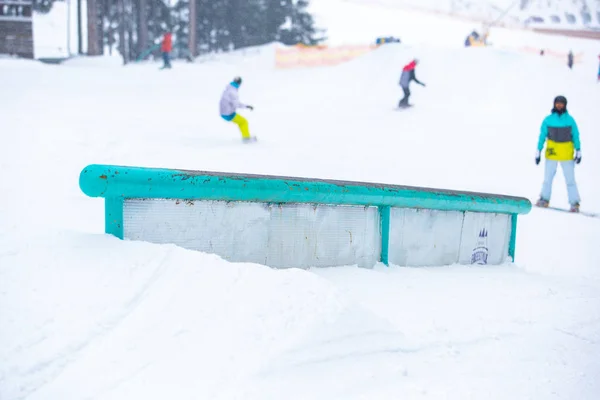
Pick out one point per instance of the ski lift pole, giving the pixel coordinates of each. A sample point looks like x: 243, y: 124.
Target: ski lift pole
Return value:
x: 504, y: 13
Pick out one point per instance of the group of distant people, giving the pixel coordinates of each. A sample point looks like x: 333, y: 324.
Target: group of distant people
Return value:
x: 559, y: 133
x: 571, y: 60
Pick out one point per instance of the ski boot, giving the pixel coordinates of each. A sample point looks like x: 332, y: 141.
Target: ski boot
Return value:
x: 542, y: 203
x: 249, y: 139
x: 574, y: 208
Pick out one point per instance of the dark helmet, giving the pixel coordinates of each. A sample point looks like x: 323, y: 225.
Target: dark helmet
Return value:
x: 560, y: 99
x: 237, y: 80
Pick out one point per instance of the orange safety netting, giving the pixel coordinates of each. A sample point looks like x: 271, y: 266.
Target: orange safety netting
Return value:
x: 319, y: 55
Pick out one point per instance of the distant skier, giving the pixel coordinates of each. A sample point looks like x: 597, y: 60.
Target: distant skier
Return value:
x: 230, y: 103
x: 599, y: 68
x: 561, y: 135
x: 408, y: 75
x: 570, y: 59
x: 165, y: 48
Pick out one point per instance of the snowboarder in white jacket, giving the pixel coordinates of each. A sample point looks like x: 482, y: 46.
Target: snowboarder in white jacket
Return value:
x: 230, y: 103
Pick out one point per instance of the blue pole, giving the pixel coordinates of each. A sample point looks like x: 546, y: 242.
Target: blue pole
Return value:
x: 513, y: 237
x: 113, y: 216
x: 384, y: 216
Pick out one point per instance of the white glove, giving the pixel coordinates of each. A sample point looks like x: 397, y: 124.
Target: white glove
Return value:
x: 578, y: 156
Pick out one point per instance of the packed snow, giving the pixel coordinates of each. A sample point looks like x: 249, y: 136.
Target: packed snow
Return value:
x: 84, y: 315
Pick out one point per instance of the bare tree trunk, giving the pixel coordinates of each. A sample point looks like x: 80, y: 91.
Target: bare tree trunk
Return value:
x: 142, y: 27
x: 122, y: 39
x: 79, y: 29
x: 109, y: 15
x: 92, y: 28
x: 192, y: 29
x: 130, y: 39
x: 101, y: 5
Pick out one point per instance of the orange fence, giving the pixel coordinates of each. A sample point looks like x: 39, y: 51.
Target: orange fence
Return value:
x: 316, y: 56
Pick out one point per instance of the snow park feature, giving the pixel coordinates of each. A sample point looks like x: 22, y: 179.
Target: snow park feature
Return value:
x: 86, y: 315
x: 302, y: 223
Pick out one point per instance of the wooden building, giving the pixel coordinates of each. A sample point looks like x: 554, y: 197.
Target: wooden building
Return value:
x: 16, y: 28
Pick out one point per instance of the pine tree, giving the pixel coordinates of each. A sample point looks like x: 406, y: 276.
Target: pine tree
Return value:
x: 220, y: 25
x: 278, y: 13
x: 301, y: 26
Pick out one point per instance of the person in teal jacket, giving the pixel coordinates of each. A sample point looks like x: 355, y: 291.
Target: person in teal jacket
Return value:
x: 560, y: 134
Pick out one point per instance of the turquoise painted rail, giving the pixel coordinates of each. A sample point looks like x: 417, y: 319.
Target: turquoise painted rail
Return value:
x: 117, y: 183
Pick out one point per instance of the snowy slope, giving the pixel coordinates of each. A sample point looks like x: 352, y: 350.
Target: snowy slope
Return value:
x: 362, y: 22
x: 84, y: 315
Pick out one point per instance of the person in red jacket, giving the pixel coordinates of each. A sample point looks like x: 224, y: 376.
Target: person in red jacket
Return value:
x: 408, y: 75
x: 165, y: 47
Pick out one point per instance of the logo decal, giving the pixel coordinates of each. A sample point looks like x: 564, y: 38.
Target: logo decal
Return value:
x: 480, y: 252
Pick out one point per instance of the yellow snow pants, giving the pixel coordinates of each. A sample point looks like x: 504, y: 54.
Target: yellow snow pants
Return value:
x: 242, y: 123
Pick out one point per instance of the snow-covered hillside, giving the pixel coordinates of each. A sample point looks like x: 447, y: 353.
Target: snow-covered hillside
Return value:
x: 572, y: 13
x: 85, y: 315
x: 543, y: 13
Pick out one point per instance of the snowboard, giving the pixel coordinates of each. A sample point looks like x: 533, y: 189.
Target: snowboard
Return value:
x: 566, y: 210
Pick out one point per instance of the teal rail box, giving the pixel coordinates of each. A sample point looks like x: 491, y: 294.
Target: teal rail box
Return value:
x: 300, y: 222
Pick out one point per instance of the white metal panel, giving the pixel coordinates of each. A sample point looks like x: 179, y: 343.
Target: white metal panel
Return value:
x: 305, y: 235
x: 309, y: 235
x: 288, y: 235
x: 235, y: 231
x: 485, y: 238
x: 420, y: 237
